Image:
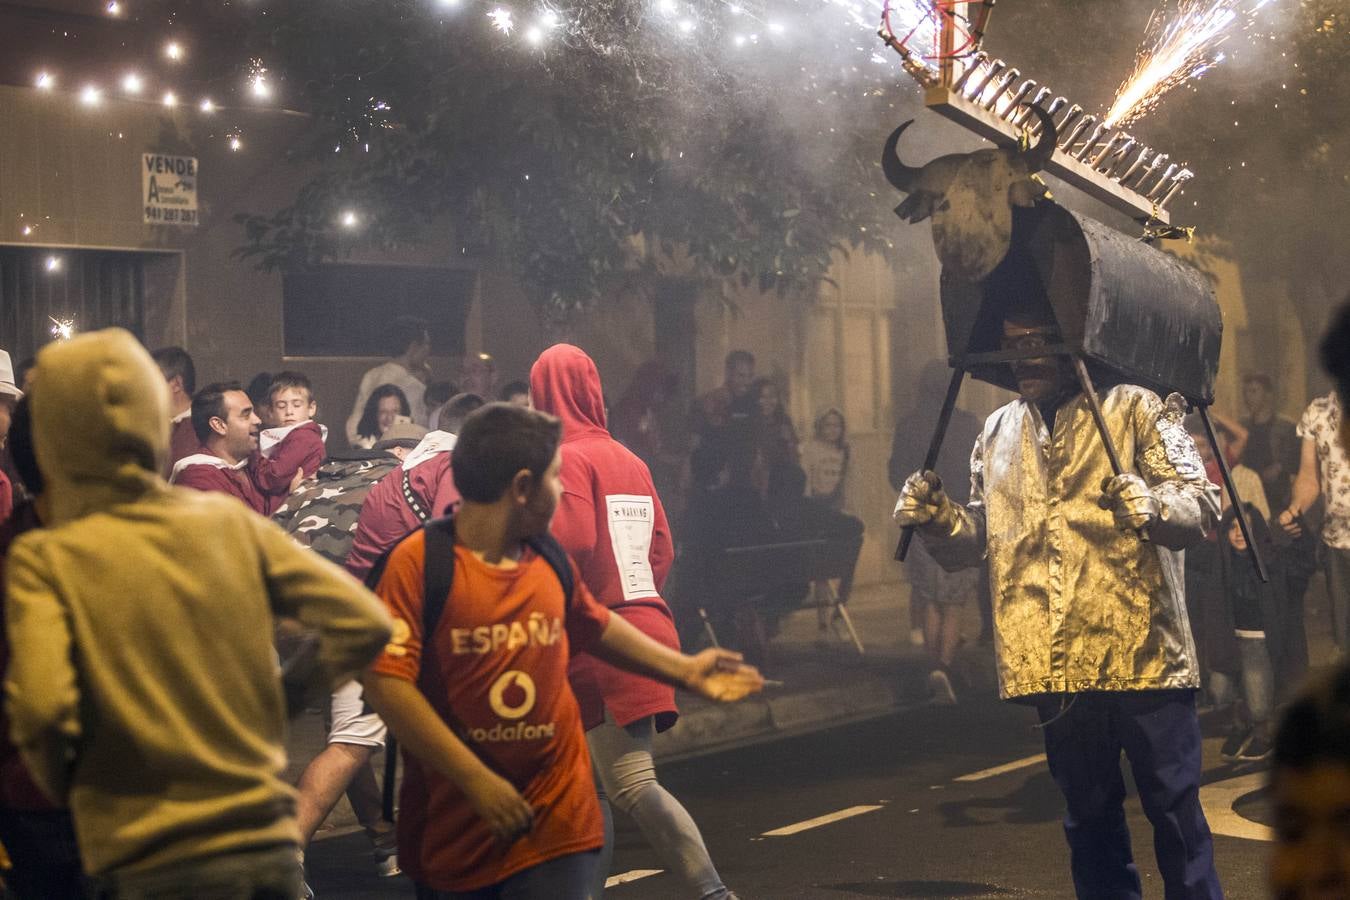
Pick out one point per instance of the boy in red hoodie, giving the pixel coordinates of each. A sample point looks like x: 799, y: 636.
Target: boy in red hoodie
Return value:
x: 293, y: 448
x: 611, y: 521
x: 497, y: 798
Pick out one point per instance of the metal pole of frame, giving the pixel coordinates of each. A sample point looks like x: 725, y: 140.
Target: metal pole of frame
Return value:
x: 1095, y: 406
x: 1252, y: 550
x: 934, y: 449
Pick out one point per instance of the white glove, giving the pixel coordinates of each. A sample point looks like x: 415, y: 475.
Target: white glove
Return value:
x: 1131, y: 502
x: 922, y: 500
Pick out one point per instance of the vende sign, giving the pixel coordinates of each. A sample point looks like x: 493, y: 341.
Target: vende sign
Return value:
x: 169, y: 189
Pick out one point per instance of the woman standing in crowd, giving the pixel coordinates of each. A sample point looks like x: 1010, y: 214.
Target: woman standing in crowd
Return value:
x: 383, y: 408
x: 825, y: 460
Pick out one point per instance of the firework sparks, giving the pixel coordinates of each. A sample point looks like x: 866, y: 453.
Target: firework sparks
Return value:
x: 62, y: 329
x: 502, y: 20
x: 1176, y: 52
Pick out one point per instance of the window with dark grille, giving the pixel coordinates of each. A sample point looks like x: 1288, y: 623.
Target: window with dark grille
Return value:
x: 89, y: 288
x: 345, y: 310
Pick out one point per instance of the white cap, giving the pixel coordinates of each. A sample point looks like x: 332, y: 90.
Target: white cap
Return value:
x: 7, y: 384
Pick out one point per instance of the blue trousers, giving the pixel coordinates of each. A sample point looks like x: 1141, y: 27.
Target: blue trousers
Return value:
x: 1159, y: 733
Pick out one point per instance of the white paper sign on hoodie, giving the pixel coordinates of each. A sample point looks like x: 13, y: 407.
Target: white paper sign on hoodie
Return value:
x: 632, y: 518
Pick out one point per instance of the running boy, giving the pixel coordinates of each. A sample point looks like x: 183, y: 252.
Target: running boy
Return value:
x: 498, y: 797
x: 293, y: 449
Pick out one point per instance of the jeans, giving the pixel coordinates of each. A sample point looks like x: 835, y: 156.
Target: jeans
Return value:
x: 269, y: 873
x: 1258, y: 679
x: 626, y: 777
x: 1159, y: 733
x: 1338, y: 592
x: 564, y: 878
x: 42, y: 848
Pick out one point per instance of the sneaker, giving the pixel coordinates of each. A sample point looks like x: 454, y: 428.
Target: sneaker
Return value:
x: 940, y: 688
x: 1233, y: 745
x: 384, y: 850
x: 1258, y: 749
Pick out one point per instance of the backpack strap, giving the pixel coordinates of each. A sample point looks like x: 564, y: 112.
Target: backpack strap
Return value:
x: 438, y: 577
x: 411, y: 497
x: 548, y: 547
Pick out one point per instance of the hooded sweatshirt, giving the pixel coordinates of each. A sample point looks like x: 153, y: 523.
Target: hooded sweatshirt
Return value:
x: 143, y: 685
x: 611, y: 522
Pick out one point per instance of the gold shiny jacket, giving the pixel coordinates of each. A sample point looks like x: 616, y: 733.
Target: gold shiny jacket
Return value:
x: 1080, y: 605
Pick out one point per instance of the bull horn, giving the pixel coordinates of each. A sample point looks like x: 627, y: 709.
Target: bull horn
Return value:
x: 901, y: 176
x: 1039, y: 154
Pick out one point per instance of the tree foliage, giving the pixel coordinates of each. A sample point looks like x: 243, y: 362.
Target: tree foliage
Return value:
x: 553, y: 161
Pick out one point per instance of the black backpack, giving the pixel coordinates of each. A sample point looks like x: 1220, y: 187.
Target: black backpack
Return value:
x: 438, y: 577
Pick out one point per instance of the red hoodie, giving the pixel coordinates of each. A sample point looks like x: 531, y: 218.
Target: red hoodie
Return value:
x: 611, y: 522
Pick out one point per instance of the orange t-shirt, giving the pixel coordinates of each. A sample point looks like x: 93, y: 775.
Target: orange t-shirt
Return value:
x: 497, y: 674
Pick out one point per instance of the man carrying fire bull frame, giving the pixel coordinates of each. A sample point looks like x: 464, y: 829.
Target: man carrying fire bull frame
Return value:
x: 1089, y: 612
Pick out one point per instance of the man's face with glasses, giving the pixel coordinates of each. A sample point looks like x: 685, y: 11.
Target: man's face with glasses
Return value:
x: 1043, y: 377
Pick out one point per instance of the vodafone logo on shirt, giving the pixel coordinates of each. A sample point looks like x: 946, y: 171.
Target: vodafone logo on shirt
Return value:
x: 512, y: 696
x: 525, y: 695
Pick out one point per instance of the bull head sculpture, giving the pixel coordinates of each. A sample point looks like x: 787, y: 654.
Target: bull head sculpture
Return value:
x: 970, y: 197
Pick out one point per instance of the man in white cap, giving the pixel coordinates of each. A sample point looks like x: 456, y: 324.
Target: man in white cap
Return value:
x: 9, y: 396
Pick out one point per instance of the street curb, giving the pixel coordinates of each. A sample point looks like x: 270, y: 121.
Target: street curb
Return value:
x: 713, y: 729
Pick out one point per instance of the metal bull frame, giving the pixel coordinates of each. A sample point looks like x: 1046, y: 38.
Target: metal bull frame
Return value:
x: 1127, y: 313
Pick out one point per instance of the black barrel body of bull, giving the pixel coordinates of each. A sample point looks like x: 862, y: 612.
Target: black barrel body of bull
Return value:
x: 1138, y: 315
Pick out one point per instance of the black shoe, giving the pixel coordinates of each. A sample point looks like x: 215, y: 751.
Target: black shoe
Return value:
x: 1235, y: 743
x: 1258, y: 749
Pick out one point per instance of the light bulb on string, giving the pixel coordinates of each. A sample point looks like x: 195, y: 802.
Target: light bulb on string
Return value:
x: 349, y: 218
x: 236, y: 141
x: 91, y: 95
x: 169, y: 99
x: 207, y: 106
x: 534, y: 35
x: 113, y: 8
x: 52, y: 264
x: 173, y: 50
x: 44, y: 81
x: 132, y: 83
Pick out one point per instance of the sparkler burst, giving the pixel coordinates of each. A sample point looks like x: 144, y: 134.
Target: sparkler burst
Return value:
x: 1175, y: 52
x: 502, y: 20
x: 62, y: 329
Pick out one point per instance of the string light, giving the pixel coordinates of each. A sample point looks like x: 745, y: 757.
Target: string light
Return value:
x: 236, y: 141
x: 52, y: 264
x: 534, y: 35
x: 207, y: 106
x: 686, y: 26
x: 113, y: 8
x: 62, y: 329
x: 169, y: 99
x: 173, y: 50
x: 45, y: 81
x: 350, y: 219
x: 260, y: 88
x: 91, y: 95
x: 132, y: 84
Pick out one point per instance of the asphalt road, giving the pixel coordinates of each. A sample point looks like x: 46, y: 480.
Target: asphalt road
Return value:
x: 933, y: 802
